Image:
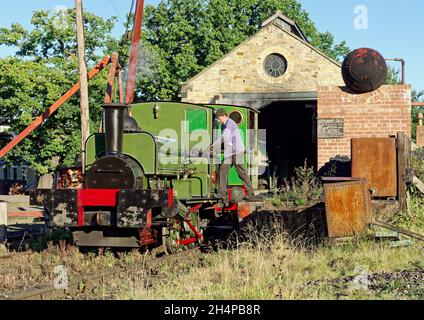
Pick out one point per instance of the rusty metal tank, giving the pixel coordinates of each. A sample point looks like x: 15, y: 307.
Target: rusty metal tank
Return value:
x: 375, y: 159
x: 364, y: 70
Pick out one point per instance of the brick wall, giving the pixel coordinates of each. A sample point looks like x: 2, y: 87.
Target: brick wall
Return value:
x: 381, y: 113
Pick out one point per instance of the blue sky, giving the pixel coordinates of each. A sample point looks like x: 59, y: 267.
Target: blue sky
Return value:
x: 393, y: 26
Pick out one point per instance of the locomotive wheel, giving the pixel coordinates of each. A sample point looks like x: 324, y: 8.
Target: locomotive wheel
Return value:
x: 171, y: 236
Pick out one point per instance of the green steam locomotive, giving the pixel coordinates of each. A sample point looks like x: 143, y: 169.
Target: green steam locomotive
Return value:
x: 148, y: 180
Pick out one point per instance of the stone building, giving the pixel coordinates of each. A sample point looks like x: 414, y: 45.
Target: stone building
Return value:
x: 305, y: 107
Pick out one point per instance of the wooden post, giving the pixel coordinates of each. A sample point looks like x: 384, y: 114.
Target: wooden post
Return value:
x: 403, y: 154
x: 85, y: 116
x: 3, y: 222
x: 114, y: 68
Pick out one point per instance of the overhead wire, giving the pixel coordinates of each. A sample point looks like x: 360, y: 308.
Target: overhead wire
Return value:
x: 116, y: 10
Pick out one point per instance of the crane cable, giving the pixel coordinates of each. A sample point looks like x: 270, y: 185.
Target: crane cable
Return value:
x: 129, y: 17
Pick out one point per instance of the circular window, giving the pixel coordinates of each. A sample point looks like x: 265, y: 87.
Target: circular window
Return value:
x: 275, y: 65
x: 236, y: 116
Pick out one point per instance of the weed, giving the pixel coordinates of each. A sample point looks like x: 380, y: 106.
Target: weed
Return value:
x: 302, y: 190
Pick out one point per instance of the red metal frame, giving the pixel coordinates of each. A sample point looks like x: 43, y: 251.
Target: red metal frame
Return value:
x: 135, y: 50
x: 170, y: 198
x: 233, y: 207
x: 196, y: 207
x: 198, y: 235
x: 95, y: 198
x: 147, y: 235
x: 27, y: 131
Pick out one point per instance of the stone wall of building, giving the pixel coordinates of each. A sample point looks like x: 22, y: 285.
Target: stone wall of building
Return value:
x: 242, y: 70
x: 380, y: 113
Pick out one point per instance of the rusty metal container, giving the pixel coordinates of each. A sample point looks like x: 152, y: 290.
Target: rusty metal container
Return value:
x: 364, y: 70
x: 375, y: 160
x: 347, y: 207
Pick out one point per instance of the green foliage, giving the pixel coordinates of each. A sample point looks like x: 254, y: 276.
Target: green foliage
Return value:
x: 44, y: 68
x: 393, y: 76
x: 184, y: 37
x: 53, y: 36
x: 413, y: 218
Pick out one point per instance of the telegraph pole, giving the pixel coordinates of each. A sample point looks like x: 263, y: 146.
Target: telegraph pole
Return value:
x: 85, y: 117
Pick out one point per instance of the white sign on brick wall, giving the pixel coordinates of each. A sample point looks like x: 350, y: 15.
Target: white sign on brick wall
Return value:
x: 330, y: 128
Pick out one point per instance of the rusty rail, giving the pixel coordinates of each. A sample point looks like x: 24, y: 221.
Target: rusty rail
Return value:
x: 37, y: 122
x: 26, y: 214
x: 399, y: 230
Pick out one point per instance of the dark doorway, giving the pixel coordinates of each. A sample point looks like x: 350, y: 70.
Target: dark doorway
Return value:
x: 291, y: 136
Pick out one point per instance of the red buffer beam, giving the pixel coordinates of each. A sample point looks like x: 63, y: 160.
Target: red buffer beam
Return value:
x: 27, y: 131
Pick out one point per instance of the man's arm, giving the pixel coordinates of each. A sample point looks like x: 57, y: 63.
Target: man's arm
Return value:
x: 225, y: 135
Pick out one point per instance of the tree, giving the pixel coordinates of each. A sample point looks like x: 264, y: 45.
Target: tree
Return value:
x: 416, y: 96
x: 183, y: 37
x: 45, y: 66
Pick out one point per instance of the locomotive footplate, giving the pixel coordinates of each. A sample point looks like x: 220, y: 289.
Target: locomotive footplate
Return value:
x: 104, y: 207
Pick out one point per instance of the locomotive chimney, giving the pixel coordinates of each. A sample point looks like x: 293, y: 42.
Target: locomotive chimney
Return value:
x: 114, y: 127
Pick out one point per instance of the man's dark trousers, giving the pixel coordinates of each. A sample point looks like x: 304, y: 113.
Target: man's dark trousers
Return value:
x: 238, y: 162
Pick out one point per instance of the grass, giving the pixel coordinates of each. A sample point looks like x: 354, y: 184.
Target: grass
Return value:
x: 37, y: 268
x: 266, y: 264
x: 277, y: 269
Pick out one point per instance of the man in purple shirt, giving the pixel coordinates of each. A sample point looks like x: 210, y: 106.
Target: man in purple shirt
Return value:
x: 233, y: 155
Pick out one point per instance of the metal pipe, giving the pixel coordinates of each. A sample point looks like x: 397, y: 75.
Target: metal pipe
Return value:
x: 114, y: 127
x: 135, y: 51
x: 417, y: 104
x: 402, y: 61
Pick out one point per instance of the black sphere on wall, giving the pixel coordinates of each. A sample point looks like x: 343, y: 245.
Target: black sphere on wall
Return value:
x: 364, y: 70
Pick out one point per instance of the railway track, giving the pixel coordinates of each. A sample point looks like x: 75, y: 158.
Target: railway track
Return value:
x: 86, y: 284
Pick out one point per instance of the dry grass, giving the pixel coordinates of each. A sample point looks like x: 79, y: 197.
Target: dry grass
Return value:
x: 263, y: 264
x: 279, y: 269
x: 259, y: 268
x: 36, y: 270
